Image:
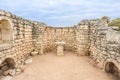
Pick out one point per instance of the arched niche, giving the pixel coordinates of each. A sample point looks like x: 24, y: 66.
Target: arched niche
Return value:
x: 9, y: 62
x: 6, y: 30
x: 7, y: 65
x: 111, y: 67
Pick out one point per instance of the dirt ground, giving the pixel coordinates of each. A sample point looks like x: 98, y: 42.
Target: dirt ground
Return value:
x: 67, y: 67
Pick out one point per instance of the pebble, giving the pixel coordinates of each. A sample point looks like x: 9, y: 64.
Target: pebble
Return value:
x: 34, y: 53
x: 28, y: 61
x: 6, y: 78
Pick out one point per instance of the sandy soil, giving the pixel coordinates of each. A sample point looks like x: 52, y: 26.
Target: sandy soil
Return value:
x: 68, y: 67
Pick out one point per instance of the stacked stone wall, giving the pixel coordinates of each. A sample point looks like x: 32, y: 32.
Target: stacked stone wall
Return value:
x: 82, y: 39
x: 105, y: 45
x: 20, y: 46
x: 75, y: 38
x: 92, y: 37
x: 52, y: 35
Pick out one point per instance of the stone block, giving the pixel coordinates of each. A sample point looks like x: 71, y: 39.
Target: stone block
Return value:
x: 28, y: 61
x: 34, y: 53
x: 6, y: 78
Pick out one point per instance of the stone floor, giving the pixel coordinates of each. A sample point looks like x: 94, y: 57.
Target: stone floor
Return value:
x: 67, y: 67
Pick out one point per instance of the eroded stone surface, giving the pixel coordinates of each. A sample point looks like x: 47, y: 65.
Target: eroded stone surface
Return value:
x: 6, y: 78
x: 34, y: 53
x: 19, y: 37
x: 28, y: 61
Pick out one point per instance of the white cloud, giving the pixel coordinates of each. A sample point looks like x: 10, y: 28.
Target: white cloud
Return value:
x: 58, y: 11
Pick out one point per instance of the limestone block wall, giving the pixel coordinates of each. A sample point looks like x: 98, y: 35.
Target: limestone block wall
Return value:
x: 49, y: 35
x: 105, y: 46
x: 19, y: 37
x: 52, y: 35
x: 82, y: 41
x: 98, y: 41
x: 16, y: 38
x: 76, y: 38
x: 38, y: 34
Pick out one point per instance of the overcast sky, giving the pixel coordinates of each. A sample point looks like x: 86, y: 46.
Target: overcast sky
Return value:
x: 62, y: 12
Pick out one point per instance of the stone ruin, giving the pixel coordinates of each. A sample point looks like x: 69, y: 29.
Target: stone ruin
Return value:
x: 20, y: 38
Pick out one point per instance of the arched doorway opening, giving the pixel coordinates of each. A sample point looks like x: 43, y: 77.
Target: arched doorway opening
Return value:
x: 6, y: 65
x: 110, y: 67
